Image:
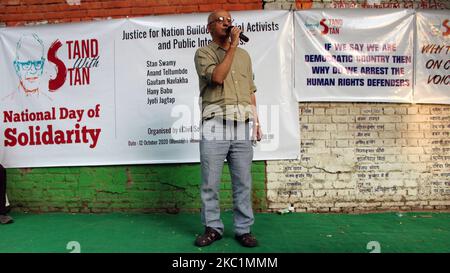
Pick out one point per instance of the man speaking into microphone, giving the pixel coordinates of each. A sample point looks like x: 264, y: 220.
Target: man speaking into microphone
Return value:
x: 229, y: 125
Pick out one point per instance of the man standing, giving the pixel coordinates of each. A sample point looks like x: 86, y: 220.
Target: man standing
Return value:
x: 4, y: 205
x: 229, y: 126
x: 4, y: 218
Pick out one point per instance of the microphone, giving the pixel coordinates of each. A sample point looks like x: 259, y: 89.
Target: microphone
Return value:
x: 241, y: 35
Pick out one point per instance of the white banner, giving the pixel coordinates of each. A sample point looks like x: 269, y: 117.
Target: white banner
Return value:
x: 354, y: 55
x: 56, y: 92
x: 432, y: 80
x: 126, y: 91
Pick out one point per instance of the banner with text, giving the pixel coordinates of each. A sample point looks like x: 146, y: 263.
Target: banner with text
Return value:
x: 354, y: 55
x: 56, y: 93
x: 432, y: 77
x: 126, y: 91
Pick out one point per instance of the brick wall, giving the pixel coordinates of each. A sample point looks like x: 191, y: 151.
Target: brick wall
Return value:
x: 23, y: 12
x: 306, y: 4
x: 115, y: 188
x: 366, y: 157
x: 137, y: 188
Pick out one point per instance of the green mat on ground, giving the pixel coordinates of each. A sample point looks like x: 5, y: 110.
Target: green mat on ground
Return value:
x: 169, y: 233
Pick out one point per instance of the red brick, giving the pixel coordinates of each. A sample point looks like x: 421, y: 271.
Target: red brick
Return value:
x: 212, y: 1
x: 187, y: 9
x: 15, y: 23
x: 93, y: 5
x: 142, y: 11
x: 242, y: 6
x: 164, y: 10
x: 51, y: 8
x: 307, y: 5
x: 183, y: 2
x: 43, y: 2
x: 10, y: 9
x: 67, y: 14
x: 157, y: 2
x: 20, y: 17
x: 116, y: 4
x: 69, y: 20
x: 109, y: 12
x: 149, y: 3
x: 303, y: 4
x: 209, y: 8
x: 12, y: 2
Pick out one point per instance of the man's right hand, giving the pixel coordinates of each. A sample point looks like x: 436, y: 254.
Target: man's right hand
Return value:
x: 234, y: 35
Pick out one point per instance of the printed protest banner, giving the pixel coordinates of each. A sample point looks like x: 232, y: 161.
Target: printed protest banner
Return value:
x: 126, y: 91
x: 354, y: 55
x: 432, y: 77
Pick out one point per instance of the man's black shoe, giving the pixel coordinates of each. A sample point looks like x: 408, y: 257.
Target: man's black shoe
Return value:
x: 247, y: 240
x: 210, y: 236
x: 5, y: 219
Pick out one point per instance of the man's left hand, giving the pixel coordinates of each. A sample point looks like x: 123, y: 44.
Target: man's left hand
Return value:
x: 257, y: 132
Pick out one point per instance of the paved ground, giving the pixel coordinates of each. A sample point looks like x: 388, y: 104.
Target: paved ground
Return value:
x: 167, y: 233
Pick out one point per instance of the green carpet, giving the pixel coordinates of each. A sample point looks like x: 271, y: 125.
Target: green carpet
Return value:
x: 167, y: 233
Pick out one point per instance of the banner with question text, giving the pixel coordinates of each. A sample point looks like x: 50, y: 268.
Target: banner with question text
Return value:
x: 432, y: 77
x: 354, y: 55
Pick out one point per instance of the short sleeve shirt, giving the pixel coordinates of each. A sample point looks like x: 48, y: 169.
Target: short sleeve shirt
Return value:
x: 232, y: 99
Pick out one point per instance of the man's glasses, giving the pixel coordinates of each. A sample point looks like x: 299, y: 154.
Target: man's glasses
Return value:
x: 38, y: 64
x: 222, y: 19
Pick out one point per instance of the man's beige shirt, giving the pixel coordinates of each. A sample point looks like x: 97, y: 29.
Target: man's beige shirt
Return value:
x: 232, y: 99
